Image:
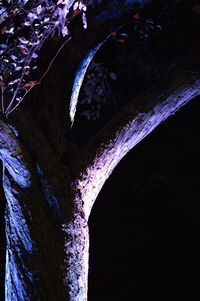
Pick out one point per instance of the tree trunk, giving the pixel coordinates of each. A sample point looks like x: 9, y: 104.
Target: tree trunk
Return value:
x: 48, y: 204
x: 47, y: 243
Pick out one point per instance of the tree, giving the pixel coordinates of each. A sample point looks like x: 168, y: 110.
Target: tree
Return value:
x: 50, y: 185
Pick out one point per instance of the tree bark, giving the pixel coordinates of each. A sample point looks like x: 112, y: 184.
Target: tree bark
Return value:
x: 48, y: 203
x: 47, y: 243
x: 46, y: 216
x: 138, y: 119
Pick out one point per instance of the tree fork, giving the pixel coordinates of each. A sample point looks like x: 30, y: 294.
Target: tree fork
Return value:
x: 48, y: 204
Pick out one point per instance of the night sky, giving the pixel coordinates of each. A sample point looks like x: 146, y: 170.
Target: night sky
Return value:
x: 145, y: 224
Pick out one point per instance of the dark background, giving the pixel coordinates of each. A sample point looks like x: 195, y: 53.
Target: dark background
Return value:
x: 145, y: 225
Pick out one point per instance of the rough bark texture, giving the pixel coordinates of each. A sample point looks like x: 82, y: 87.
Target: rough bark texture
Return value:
x: 47, y: 243
x: 137, y: 119
x: 48, y: 203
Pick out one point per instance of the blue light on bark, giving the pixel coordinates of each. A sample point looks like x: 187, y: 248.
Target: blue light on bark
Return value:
x: 79, y: 77
x: 17, y: 169
x: 19, y: 277
x: 19, y: 243
x: 18, y: 229
x: 49, y: 195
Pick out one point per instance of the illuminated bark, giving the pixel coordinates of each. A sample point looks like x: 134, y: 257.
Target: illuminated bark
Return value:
x: 138, y: 119
x: 46, y: 216
x: 48, y: 203
x: 47, y: 238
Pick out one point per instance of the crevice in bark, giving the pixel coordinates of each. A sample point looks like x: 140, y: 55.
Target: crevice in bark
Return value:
x: 2, y: 238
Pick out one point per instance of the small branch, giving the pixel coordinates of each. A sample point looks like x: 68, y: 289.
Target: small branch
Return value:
x: 2, y: 100
x: 57, y: 53
x: 39, y: 81
x: 19, y: 84
x: 80, y: 75
x: 27, y: 62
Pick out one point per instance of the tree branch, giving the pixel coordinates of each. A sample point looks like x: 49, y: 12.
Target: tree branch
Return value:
x: 138, y: 119
x: 79, y: 77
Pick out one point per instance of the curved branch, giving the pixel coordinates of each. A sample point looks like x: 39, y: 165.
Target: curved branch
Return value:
x: 138, y: 119
x: 79, y: 77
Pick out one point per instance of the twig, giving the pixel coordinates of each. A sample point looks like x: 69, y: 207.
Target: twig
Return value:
x: 57, y: 53
x: 27, y: 61
x: 2, y: 100
x: 38, y: 82
x: 19, y: 84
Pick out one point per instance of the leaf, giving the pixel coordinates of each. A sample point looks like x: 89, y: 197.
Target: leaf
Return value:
x: 39, y: 9
x: 79, y: 6
x: 13, y: 57
x: 23, y: 49
x: 124, y: 35
x: 32, y: 16
x: 15, y: 11
x: 82, y: 6
x: 3, y: 14
x: 65, y: 31
x: 76, y: 6
x: 46, y: 19
x: 30, y: 84
x: 122, y: 41
x: 76, y: 12
x: 27, y: 70
x: 84, y: 19
x: 34, y: 55
x: 3, y: 30
x: 18, y: 68
x: 27, y: 23
x: 23, y: 40
x: 14, y: 82
x: 10, y: 31
x: 113, y: 76
x: 136, y: 17
x: 3, y: 46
